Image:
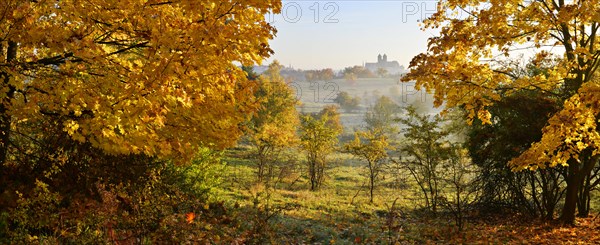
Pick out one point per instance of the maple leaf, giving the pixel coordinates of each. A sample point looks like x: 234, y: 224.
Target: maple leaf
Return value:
x: 461, y: 69
x: 150, y: 77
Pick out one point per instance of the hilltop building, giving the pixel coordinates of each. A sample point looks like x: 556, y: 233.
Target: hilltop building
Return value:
x: 392, y: 67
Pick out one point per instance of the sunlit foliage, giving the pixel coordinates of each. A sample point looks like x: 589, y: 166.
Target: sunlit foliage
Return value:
x: 141, y: 77
x: 463, y: 67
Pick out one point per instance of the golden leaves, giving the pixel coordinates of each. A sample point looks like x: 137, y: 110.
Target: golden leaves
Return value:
x: 274, y: 124
x: 137, y: 76
x: 569, y: 132
x: 371, y: 145
x: 463, y: 66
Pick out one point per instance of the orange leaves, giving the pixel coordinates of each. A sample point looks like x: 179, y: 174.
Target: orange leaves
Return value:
x: 189, y: 217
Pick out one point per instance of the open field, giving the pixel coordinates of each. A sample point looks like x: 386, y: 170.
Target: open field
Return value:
x: 313, y: 96
x: 340, y: 213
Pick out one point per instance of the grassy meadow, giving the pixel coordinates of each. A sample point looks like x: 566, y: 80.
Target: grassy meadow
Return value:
x: 340, y: 212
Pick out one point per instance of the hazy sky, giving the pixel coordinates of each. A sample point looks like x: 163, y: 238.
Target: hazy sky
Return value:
x: 350, y: 32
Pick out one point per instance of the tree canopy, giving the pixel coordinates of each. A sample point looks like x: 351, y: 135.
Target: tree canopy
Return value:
x: 382, y: 116
x: 347, y: 102
x: 134, y: 77
x: 465, y: 66
x: 273, y: 127
x: 467, y: 54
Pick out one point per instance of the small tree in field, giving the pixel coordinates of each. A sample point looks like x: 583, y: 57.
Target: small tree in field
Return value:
x: 347, y: 102
x: 423, y: 153
x: 371, y: 146
x: 440, y: 166
x: 459, y: 178
x: 273, y: 127
x: 382, y: 117
x: 382, y: 72
x: 318, y: 135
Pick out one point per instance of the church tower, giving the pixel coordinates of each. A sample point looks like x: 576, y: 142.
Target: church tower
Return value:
x: 384, y: 57
x: 379, y: 58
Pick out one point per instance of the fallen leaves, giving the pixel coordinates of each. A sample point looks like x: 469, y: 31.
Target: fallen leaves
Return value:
x: 189, y: 217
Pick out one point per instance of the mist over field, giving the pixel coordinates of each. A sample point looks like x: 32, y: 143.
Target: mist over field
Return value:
x: 313, y: 96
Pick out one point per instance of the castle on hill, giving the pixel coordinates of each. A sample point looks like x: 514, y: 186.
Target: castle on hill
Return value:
x: 392, y: 67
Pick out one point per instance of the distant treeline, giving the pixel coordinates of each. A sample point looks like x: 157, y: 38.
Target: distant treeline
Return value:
x: 350, y: 73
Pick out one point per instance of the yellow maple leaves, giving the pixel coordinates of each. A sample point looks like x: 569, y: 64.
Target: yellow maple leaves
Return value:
x: 136, y: 76
x: 276, y: 121
x: 466, y: 65
x: 568, y: 133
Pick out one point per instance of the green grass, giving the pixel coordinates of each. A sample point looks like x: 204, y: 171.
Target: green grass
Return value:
x: 339, y: 213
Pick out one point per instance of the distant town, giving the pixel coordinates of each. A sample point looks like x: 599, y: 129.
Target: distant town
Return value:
x: 380, y: 69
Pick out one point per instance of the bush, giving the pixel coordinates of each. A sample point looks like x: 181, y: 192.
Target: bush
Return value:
x: 163, y: 203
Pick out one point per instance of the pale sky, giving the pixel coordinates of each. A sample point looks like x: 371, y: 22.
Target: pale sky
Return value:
x: 348, y: 33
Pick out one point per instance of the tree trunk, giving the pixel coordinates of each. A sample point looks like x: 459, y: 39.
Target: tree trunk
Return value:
x: 4, y: 130
x: 550, y: 192
x: 321, y: 173
x: 459, y: 211
x: 371, y: 190
x: 583, y: 201
x: 5, y: 119
x: 312, y: 174
x: 586, y: 185
x: 568, y: 212
x: 262, y: 155
x: 372, y: 182
x: 576, y: 173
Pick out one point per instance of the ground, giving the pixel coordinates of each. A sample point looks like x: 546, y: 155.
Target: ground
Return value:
x: 340, y: 212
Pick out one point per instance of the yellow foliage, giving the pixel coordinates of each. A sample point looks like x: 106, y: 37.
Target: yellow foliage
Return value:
x: 465, y: 65
x: 276, y: 121
x: 134, y: 76
x: 568, y: 133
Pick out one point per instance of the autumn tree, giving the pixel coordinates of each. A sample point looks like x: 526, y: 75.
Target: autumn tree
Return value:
x: 333, y: 114
x: 102, y: 95
x: 350, y: 77
x: 518, y: 122
x: 462, y: 192
x: 347, y: 102
x: 371, y: 146
x: 327, y: 74
x: 273, y: 128
x: 382, y: 72
x: 463, y: 67
x: 131, y: 77
x: 358, y: 72
x: 382, y: 117
x: 423, y: 152
x: 319, y: 75
x: 319, y: 137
